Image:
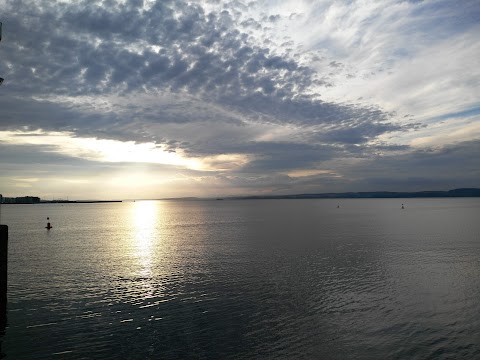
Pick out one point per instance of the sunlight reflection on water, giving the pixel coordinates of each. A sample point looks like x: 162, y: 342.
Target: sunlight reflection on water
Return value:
x: 145, y: 216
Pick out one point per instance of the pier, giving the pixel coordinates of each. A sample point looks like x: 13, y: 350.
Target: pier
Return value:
x: 3, y: 274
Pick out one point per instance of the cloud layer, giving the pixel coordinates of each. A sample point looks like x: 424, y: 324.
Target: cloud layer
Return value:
x: 246, y: 98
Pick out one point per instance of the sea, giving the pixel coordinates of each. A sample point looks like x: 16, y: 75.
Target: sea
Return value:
x: 244, y: 279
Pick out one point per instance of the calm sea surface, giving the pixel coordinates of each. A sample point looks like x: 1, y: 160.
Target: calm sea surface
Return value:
x: 244, y: 279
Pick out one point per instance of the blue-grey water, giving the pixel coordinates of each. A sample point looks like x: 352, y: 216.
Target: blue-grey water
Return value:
x: 244, y: 279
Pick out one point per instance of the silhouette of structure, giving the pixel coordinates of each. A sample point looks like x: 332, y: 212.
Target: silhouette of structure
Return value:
x: 3, y: 276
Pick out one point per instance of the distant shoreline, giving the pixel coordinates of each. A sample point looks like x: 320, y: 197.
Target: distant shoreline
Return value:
x: 79, y: 201
x: 67, y: 202
x: 467, y: 192
x: 455, y: 193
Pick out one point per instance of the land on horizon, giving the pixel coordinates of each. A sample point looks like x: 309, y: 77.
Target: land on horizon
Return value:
x: 461, y: 192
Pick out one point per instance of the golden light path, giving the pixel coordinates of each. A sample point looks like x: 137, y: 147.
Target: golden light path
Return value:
x: 145, y: 233
x: 145, y: 218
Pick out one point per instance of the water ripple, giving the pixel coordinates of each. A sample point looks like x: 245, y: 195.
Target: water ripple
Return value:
x: 245, y: 280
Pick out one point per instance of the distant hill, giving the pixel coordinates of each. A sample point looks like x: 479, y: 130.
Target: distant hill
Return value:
x: 466, y: 192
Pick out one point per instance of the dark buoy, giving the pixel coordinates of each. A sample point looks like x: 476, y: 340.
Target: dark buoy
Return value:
x: 402, y: 207
x: 48, y: 224
x: 338, y: 206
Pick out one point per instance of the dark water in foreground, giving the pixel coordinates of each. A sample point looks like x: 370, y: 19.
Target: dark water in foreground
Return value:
x: 277, y: 279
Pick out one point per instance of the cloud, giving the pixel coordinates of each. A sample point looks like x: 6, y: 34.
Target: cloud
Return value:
x: 413, y: 170
x: 394, y: 170
x: 173, y: 50
x: 246, y: 91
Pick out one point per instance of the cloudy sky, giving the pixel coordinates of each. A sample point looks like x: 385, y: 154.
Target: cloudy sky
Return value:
x: 112, y: 99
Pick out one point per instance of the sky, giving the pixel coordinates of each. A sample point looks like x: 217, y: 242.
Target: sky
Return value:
x: 112, y: 99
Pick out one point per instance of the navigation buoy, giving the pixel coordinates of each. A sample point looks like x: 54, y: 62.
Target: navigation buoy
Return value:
x: 48, y: 224
x: 402, y: 207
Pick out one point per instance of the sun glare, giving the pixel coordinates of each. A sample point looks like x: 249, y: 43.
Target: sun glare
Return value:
x: 144, y: 216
